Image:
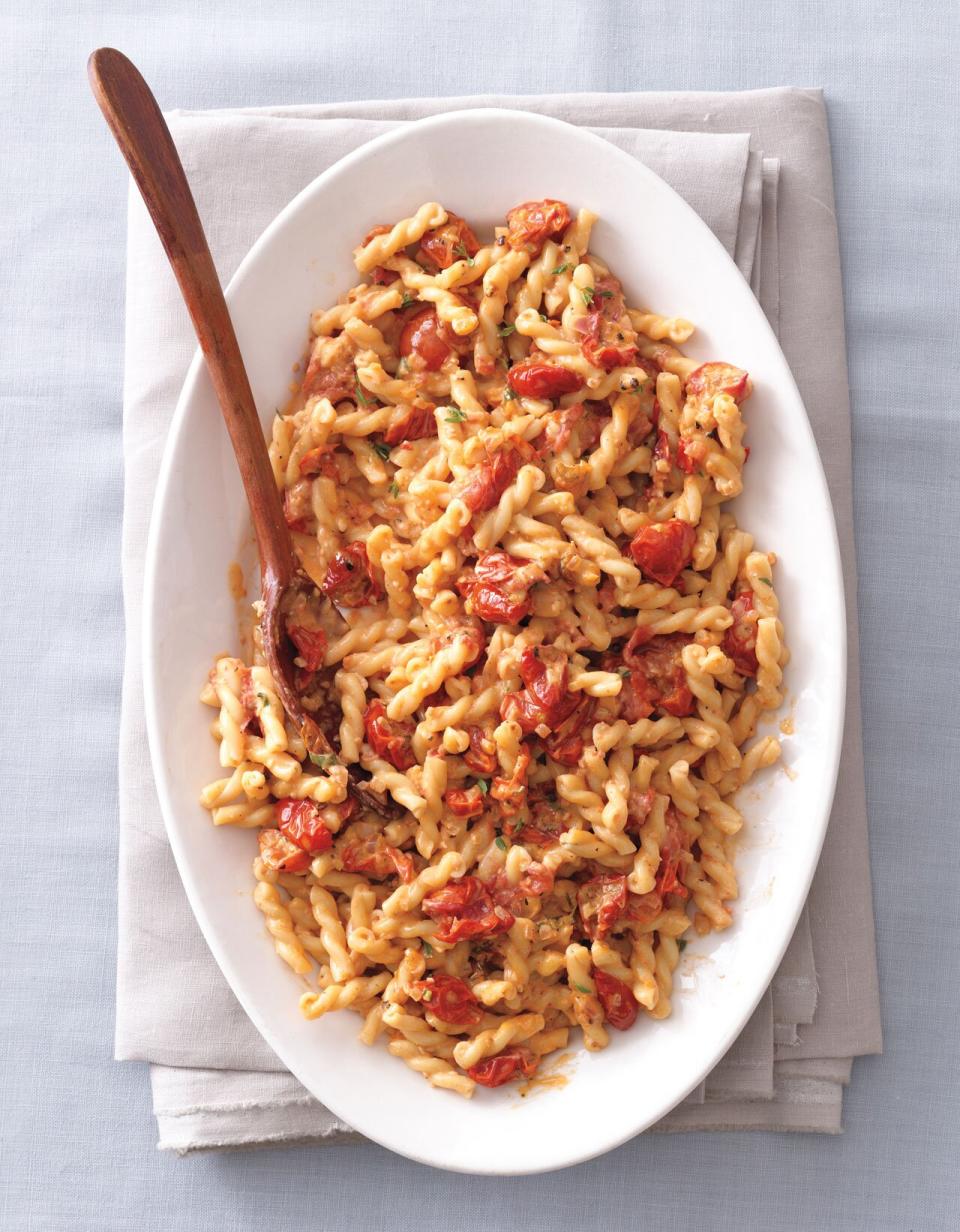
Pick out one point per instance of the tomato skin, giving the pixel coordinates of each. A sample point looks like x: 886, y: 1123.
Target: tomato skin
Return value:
x: 350, y: 580
x: 511, y: 793
x: 414, y: 424
x: 465, y: 909
x: 424, y: 336
x: 388, y: 738
x: 372, y: 855
x: 493, y: 478
x: 531, y: 224
x: 515, y: 1062
x: 657, y: 676
x: 740, y: 640
x: 690, y: 455
x: 663, y: 549
x: 301, y: 822
x: 546, y: 700
x: 672, y: 850
x: 619, y: 1003
x: 601, y: 901
x: 711, y: 379
x: 643, y: 908
x: 480, y: 760
x: 533, y: 379
x: 335, y: 383
x: 279, y: 853
x: 297, y: 507
x: 380, y: 229
x: 440, y: 245
x: 450, y: 999
x: 311, y: 644
x: 380, y: 276
x: 604, y: 343
x: 464, y: 801
x: 543, y: 830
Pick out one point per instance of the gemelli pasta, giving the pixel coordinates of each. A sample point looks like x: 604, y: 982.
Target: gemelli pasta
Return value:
x: 539, y: 633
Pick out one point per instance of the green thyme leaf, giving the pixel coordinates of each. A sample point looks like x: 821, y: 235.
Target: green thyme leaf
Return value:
x: 587, y: 295
x: 543, y: 316
x: 681, y: 945
x: 483, y: 785
x: 509, y: 395
x: 605, y: 294
x: 624, y: 671
x: 427, y: 948
x: 324, y: 760
x: 381, y: 449
x: 263, y: 699
x: 506, y: 330
x: 560, y: 269
x: 461, y: 251
x: 455, y: 415
x: 580, y: 988
x: 766, y: 581
x: 394, y: 489
x: 501, y: 842
x: 361, y: 397
x: 407, y: 300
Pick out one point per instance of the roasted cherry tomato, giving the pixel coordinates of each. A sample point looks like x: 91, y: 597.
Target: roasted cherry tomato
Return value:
x: 657, y: 676
x: 546, y: 701
x: 297, y: 506
x: 602, y: 901
x: 336, y: 383
x: 533, y: 379
x: 498, y: 587
x: 380, y: 276
x: 424, y: 336
x: 531, y: 224
x: 711, y: 379
x: 279, y: 853
x: 511, y: 793
x: 481, y: 756
x: 301, y: 821
x: 515, y: 1062
x: 643, y: 908
x: 608, y: 341
x: 663, y: 549
x: 372, y: 855
x: 672, y: 853
x: 740, y: 640
x: 319, y: 461
x: 350, y: 580
x: 413, y: 424
x: 619, y: 1004
x: 449, y: 998
x: 494, y: 476
x: 453, y: 241
x: 464, y: 801
x: 390, y: 739
x: 465, y: 909
x: 311, y: 645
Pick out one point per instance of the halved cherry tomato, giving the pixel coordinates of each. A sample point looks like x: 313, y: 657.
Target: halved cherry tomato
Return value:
x: 319, y: 461
x: 711, y: 379
x: 546, y: 700
x: 481, y: 756
x: 464, y: 801
x: 606, y: 342
x: 389, y: 738
x: 533, y: 379
x: 413, y: 424
x: 643, y: 908
x: 498, y: 588
x: 279, y: 853
x: 657, y: 676
x: 465, y: 909
x: 350, y: 580
x: 663, y: 549
x: 424, y: 336
x: 601, y: 901
x: 740, y: 640
x: 531, y: 224
x: 450, y: 242
x: 380, y: 276
x: 515, y: 1062
x: 371, y: 854
x: 619, y: 1003
x: 494, y: 476
x: 301, y: 821
x: 450, y: 999
x: 312, y: 645
x: 690, y: 455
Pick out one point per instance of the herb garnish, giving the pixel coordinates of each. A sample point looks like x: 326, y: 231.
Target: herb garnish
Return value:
x: 455, y: 415
x: 381, y: 449
x: 506, y: 330
x: 427, y: 948
x: 394, y: 489
x: 461, y: 251
x: 580, y: 988
x: 560, y: 269
x: 501, y: 842
x: 360, y: 395
x: 324, y: 760
x: 587, y: 294
x: 407, y: 300
x: 509, y: 394
x: 483, y: 785
x: 681, y: 945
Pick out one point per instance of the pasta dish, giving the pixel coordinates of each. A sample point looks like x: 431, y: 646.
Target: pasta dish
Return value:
x: 538, y: 632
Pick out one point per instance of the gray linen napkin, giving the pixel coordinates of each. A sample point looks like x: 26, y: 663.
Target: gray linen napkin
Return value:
x: 215, y: 1082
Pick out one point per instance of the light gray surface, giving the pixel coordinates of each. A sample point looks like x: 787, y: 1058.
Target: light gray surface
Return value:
x: 76, y: 1133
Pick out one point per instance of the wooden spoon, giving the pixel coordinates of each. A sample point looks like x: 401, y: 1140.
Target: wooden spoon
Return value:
x: 141, y: 132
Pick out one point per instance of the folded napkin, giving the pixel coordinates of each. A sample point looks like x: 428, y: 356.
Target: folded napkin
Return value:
x: 756, y: 166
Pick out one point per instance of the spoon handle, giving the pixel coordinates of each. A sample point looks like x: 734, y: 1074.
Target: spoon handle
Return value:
x: 141, y: 132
